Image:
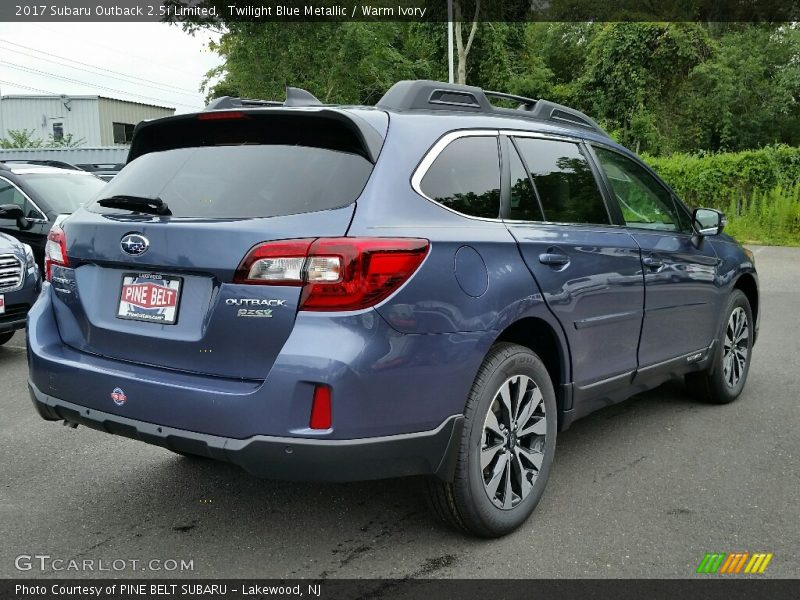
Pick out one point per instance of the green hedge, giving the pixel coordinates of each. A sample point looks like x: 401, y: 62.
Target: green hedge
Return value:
x: 729, y: 179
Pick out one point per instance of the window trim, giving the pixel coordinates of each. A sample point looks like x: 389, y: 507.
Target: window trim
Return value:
x: 433, y: 153
x: 510, y: 134
x: 44, y: 218
x: 676, y: 202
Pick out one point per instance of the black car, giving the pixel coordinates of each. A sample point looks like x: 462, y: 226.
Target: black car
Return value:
x: 42, y: 193
x: 20, y: 283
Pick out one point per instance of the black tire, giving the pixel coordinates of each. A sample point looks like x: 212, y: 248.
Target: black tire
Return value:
x: 465, y: 502
x: 6, y: 337
x: 713, y: 385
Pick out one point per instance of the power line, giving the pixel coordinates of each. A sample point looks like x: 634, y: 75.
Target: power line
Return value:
x: 153, y: 85
x: 140, y: 79
x: 91, y: 85
x: 26, y: 87
x: 90, y: 42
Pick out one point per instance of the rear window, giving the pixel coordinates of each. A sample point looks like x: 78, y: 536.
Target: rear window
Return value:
x: 64, y: 192
x: 242, y: 181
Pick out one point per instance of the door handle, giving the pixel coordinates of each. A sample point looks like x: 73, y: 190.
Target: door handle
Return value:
x: 652, y: 262
x: 553, y: 259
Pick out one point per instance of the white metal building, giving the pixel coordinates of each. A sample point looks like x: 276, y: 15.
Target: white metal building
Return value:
x: 98, y: 120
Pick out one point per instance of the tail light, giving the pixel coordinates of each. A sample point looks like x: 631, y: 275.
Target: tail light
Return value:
x: 55, y: 251
x: 335, y: 273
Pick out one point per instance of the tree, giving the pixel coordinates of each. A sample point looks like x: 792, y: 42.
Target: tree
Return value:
x: 463, y: 47
x: 656, y: 87
x: 350, y: 62
x: 21, y: 138
x: 66, y: 141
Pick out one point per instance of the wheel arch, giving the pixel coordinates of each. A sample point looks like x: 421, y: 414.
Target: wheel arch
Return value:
x: 747, y: 284
x: 541, y: 337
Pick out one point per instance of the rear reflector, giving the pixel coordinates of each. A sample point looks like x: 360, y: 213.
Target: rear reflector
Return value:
x: 321, y: 408
x: 335, y: 273
x: 55, y: 251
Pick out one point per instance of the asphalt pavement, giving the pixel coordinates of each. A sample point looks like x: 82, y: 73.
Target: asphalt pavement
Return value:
x: 641, y: 489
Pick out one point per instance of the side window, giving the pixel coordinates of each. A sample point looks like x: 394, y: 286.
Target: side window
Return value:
x: 9, y: 194
x: 564, y: 181
x: 644, y: 202
x: 524, y: 204
x: 465, y: 177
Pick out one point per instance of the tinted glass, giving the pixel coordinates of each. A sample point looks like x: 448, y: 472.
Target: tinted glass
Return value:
x: 10, y: 195
x: 524, y: 205
x: 564, y: 181
x: 466, y: 177
x: 644, y: 202
x: 243, y: 181
x: 64, y: 192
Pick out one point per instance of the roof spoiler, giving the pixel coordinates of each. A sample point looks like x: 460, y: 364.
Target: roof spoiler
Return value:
x: 294, y: 97
x: 332, y: 127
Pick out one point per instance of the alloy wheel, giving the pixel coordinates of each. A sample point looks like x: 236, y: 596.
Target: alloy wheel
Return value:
x: 736, y: 347
x: 513, y: 442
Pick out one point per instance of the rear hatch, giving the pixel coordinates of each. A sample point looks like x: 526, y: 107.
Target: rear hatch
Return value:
x: 159, y: 289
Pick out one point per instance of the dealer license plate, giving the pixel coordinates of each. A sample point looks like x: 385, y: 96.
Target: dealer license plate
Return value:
x: 150, y: 297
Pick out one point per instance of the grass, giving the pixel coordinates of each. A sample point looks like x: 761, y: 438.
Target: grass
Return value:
x: 769, y: 218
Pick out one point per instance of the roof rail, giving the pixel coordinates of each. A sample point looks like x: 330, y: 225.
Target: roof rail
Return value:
x: 294, y: 97
x: 43, y: 163
x: 435, y: 95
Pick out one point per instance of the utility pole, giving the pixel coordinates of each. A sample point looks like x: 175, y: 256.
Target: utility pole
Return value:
x: 451, y: 77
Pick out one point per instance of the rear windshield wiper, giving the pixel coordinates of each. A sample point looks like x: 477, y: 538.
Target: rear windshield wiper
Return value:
x: 153, y: 206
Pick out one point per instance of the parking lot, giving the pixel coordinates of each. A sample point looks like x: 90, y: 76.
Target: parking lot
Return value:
x: 641, y: 489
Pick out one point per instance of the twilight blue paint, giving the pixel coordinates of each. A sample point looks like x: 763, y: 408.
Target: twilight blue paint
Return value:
x: 404, y: 366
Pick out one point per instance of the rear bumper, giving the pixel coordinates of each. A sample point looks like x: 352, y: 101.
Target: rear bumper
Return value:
x: 290, y: 458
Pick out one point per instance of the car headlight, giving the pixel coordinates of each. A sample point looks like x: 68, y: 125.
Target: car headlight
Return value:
x: 30, y: 262
x: 750, y: 255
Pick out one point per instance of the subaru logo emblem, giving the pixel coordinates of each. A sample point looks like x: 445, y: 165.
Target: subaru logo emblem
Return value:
x: 119, y: 397
x: 134, y: 244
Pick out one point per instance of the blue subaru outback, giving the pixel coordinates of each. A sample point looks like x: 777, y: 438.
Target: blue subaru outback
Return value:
x: 431, y: 286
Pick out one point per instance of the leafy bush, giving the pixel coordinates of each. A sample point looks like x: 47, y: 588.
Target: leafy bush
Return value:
x: 715, y: 180
x: 771, y: 217
x: 757, y: 189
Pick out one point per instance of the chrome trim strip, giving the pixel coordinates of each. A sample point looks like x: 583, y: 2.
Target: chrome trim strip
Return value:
x: 604, y: 319
x: 21, y: 275
x: 542, y: 136
x: 433, y: 153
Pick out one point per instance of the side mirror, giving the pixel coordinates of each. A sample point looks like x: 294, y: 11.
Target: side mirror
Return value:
x: 707, y: 221
x: 13, y: 211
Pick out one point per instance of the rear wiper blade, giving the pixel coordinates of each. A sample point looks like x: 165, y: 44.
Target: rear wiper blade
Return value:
x: 154, y: 206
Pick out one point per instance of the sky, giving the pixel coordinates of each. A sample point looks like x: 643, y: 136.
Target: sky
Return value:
x: 153, y: 63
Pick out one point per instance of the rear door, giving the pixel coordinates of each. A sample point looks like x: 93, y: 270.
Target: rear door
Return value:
x: 159, y: 290
x: 681, y: 286
x: 588, y: 270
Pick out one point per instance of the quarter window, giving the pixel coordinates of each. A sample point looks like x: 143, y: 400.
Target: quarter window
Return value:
x: 564, y: 181
x: 644, y: 202
x: 465, y: 177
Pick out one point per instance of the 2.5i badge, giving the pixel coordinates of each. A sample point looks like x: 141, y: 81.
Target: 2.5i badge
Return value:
x: 149, y: 297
